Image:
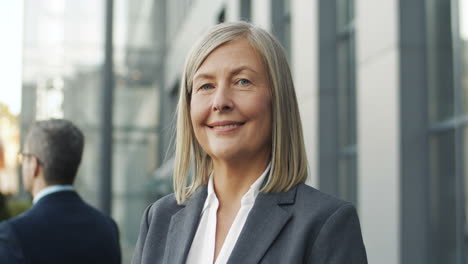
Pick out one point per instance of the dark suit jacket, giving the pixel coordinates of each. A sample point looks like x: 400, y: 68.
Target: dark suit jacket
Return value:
x: 60, y: 228
x: 302, y: 225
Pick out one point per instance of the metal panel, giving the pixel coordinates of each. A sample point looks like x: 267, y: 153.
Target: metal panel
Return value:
x: 459, y: 137
x: 414, y: 136
x: 105, y: 172
x: 328, y: 100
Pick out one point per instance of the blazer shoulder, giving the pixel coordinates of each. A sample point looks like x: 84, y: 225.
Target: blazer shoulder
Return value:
x: 165, y: 206
x: 6, y: 230
x: 311, y: 192
x: 10, y: 247
x: 335, y: 236
x: 311, y: 200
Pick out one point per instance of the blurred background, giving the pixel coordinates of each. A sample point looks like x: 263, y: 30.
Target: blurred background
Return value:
x: 382, y: 88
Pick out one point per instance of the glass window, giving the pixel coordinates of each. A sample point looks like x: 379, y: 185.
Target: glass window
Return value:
x: 346, y: 84
x: 246, y: 10
x: 440, y: 66
x: 281, y: 21
x: 338, y: 138
x: 463, y: 20
x: 222, y: 16
x: 443, y: 199
x: 447, y: 74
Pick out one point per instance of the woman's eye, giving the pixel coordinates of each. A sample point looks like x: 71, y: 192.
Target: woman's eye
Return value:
x: 206, y: 86
x: 244, y: 82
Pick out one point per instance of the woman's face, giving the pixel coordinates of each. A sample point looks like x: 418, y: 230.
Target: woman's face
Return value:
x: 231, y: 104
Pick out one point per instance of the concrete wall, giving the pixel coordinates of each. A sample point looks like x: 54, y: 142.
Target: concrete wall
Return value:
x: 378, y: 128
x: 304, y: 65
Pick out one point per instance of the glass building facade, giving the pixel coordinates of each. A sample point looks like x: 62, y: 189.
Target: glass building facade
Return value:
x: 63, y: 77
x: 338, y: 138
x: 447, y: 83
x: 382, y: 88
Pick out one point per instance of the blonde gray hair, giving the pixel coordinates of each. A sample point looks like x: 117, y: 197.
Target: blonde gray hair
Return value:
x: 288, y: 157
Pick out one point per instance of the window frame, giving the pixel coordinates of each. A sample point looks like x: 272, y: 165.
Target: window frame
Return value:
x: 332, y: 152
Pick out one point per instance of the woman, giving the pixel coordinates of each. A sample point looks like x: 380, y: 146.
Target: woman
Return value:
x: 238, y: 124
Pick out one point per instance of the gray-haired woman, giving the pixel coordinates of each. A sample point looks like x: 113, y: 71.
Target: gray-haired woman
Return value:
x: 238, y: 125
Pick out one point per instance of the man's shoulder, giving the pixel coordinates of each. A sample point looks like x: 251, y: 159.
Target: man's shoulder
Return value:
x: 93, y: 210
x: 10, y: 248
x: 24, y: 218
x: 95, y: 213
x: 5, y: 229
x: 60, y: 208
x: 89, y: 213
x: 64, y: 202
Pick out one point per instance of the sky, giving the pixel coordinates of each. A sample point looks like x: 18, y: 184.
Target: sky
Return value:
x: 11, y: 32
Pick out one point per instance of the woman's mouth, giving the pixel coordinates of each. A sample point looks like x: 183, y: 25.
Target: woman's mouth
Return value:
x: 225, y: 126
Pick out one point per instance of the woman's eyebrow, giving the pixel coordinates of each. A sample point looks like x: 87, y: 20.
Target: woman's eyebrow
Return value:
x: 242, y: 68
x: 233, y: 72
x: 203, y: 76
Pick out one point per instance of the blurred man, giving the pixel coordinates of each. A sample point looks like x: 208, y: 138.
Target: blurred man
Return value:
x: 60, y: 227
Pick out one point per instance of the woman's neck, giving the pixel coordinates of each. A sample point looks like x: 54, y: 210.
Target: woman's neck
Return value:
x: 231, y: 180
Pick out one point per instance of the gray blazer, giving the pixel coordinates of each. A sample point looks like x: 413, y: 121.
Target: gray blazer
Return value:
x: 302, y: 225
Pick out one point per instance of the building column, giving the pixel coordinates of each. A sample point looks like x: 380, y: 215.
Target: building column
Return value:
x: 261, y: 14
x: 379, y: 136
x: 304, y: 66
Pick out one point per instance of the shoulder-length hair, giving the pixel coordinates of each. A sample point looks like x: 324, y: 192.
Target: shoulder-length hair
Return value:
x: 288, y: 156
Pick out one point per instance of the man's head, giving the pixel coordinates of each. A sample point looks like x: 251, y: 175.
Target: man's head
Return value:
x: 52, y: 153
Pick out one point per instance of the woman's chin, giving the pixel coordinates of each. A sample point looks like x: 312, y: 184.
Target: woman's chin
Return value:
x: 227, y: 155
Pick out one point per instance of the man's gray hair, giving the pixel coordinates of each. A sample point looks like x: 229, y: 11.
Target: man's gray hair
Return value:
x: 58, y: 144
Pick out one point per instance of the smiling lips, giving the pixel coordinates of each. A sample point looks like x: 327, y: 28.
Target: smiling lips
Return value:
x: 225, y: 126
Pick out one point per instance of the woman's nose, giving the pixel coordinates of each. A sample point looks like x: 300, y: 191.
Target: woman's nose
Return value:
x: 222, y: 100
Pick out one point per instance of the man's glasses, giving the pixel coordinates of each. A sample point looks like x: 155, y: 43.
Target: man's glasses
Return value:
x: 21, y: 156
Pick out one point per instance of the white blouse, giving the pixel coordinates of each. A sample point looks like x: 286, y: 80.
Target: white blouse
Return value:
x: 203, y: 245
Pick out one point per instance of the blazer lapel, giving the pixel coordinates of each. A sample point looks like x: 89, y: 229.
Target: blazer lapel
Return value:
x: 183, y: 227
x: 264, y: 223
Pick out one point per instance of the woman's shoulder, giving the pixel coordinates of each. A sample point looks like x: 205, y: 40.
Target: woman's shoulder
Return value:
x: 168, y: 200
x: 312, y: 201
x: 166, y: 205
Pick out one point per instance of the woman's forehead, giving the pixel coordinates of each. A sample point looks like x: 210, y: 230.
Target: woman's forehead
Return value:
x: 238, y: 55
